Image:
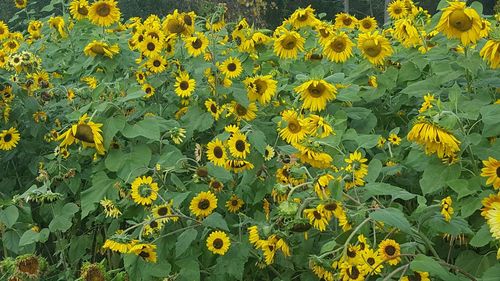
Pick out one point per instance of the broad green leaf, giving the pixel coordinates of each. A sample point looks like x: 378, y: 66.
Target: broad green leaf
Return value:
x: 491, y: 274
x: 491, y: 118
x: 100, y: 186
x: 9, y: 215
x: 392, y: 217
x: 379, y: 188
x: 374, y: 169
x: 147, y: 128
x: 427, y: 264
x: 482, y: 237
x: 112, y: 126
x: 258, y: 139
x: 184, y: 240
x: 216, y: 221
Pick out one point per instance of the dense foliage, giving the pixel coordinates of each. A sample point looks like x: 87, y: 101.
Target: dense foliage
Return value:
x: 191, y: 148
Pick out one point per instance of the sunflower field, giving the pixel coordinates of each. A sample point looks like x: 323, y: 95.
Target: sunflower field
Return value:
x: 183, y: 147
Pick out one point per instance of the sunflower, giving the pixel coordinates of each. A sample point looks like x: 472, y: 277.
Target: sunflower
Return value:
x: 21, y: 4
x: 338, y: 47
x: 34, y: 29
x: 88, y: 132
x: 238, y: 165
x: 313, y: 155
x: 184, y: 85
x: 79, y: 9
x: 157, y: 63
x: 148, y: 89
x: 4, y: 30
x: 253, y: 234
x: 318, y: 126
x: 368, y: 24
x: 491, y: 53
x: 394, y: 139
x: 150, y: 46
x: 196, y: 45
x: 189, y: 20
x: 493, y: 219
x: 29, y: 265
x: 151, y: 226
x: 174, y: 24
x: 218, y: 242
x: 160, y: 211
x: 295, y: 129
x: 446, y: 208
x: 406, y: 32
x: 231, y: 67
x: 389, y: 250
x: 100, y: 48
x: 144, y: 190
x: 104, y: 12
x: 269, y: 153
x: 145, y: 251
x: 460, y: 22
x: 116, y: 246
x: 234, y: 204
x: 372, y: 261
x: 261, y: 88
x: 216, y: 153
x: 9, y: 138
x: 317, y: 218
x: 397, y: 10
x: 352, y: 272
x: 321, y: 186
x: 303, y: 17
x: 374, y: 47
x: 216, y: 185
x: 417, y: 275
x: 213, y: 108
x: 203, y: 204
x: 434, y: 139
x: 343, y: 20
x: 491, y: 170
x: 238, y: 145
x: 316, y: 94
x: 244, y: 113
x: 110, y: 210
x: 288, y: 45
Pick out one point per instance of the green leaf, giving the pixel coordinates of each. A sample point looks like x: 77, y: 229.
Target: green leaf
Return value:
x: 258, y: 139
x: 478, y: 6
x: 184, y: 240
x: 482, y: 237
x: 111, y: 126
x: 147, y: 128
x: 328, y: 246
x: 491, y: 118
x: 219, y: 173
x: 9, y: 216
x: 131, y: 164
x: 216, y: 221
x: 62, y: 218
x: 425, y: 263
x: 462, y: 187
x: 491, y: 274
x: 100, y: 186
x: 190, y: 270
x: 392, y: 217
x: 380, y: 188
x: 233, y: 262
x: 436, y: 175
x: 28, y: 237
x: 374, y: 169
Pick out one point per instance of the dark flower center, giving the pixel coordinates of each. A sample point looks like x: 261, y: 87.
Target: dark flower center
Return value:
x: 240, y: 145
x: 29, y: 266
x: 294, y: 126
x: 103, y: 10
x: 331, y: 206
x: 231, y: 67
x: 184, y: 85
x: 216, y: 185
x: 370, y: 261
x: 197, y: 43
x: 317, y: 215
x: 351, y: 254
x: 415, y: 277
x: 390, y: 250
x: 162, y: 211
x: 367, y: 24
x: 347, y: 21
x: 84, y: 133
x: 316, y: 91
x: 218, y: 152
x: 174, y: 26
x: 204, y: 204
x: 289, y: 43
x: 218, y: 243
x: 459, y: 20
x: 144, y: 254
x: 82, y: 10
x: 371, y: 48
x: 153, y: 224
x: 241, y: 110
x: 398, y: 10
x: 353, y: 273
x: 151, y: 46
x: 498, y: 171
x: 234, y: 202
x: 188, y: 20
x: 261, y: 86
x: 213, y: 108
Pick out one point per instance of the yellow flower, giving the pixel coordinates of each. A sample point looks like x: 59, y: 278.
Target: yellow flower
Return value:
x: 213, y: 108
x: 243, y: 113
x: 21, y: 4
x: 434, y: 139
x: 394, y: 139
x: 231, y: 67
x: 288, y: 45
x: 397, y: 10
x: 144, y: 190
x: 253, y: 234
x: 417, y: 275
x: 317, y: 218
x: 261, y: 88
x: 184, y: 85
x: 491, y: 53
x: 203, y: 204
x: 368, y: 24
x: 234, y: 204
x: 104, y: 12
x: 316, y: 94
x: 446, y: 209
x: 116, y: 246
x: 269, y: 153
x: 238, y: 165
x: 79, y: 9
x: 110, y: 210
x: 101, y: 48
x: 460, y: 22
x: 88, y: 132
x: 148, y: 89
x: 303, y: 17
x: 372, y: 261
x: 145, y: 251
x: 196, y: 45
x: 4, y: 30
x: 343, y: 20
x: 372, y: 81
x: 338, y: 47
x: 295, y: 129
x: 9, y: 138
x: 390, y: 251
x: 58, y: 23
x: 238, y: 145
x: 491, y: 171
x: 352, y: 272
x: 216, y: 153
x: 156, y: 63
x: 406, y: 32
x: 218, y: 243
x: 374, y: 47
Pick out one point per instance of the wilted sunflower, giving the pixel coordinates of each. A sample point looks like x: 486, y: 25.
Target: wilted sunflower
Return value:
x: 203, y: 204
x: 261, y: 88
x: 390, y: 250
x: 460, y: 22
x: 93, y: 272
x: 243, y: 113
x: 491, y: 53
x: 295, y: 129
x: 104, y: 12
x: 343, y: 20
x: 491, y: 170
x: 145, y: 251
x: 144, y: 191
x: 88, y: 132
x: 9, y: 138
x: 196, y: 45
x: 374, y: 47
x: 238, y: 165
x: 218, y: 242
x: 184, y: 85
x: 367, y: 24
x: 321, y: 186
x: 316, y: 93
x: 216, y: 153
x: 417, y: 275
x: 397, y: 10
x: 234, y: 204
x: 58, y: 24
x: 34, y: 29
x: 434, y: 139
x: 160, y: 211
x: 446, y: 208
x: 303, y: 17
x: 231, y: 67
x: 117, y: 246
x: 79, y: 9
x: 21, y: 4
x: 30, y: 266
x: 313, y: 155
x: 338, y: 47
x: 238, y: 145
x: 100, y: 48
x: 288, y: 45
x: 317, y: 218
x: 406, y: 33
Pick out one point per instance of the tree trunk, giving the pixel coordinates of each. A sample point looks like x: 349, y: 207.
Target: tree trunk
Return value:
x: 346, y: 6
x: 386, y: 15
